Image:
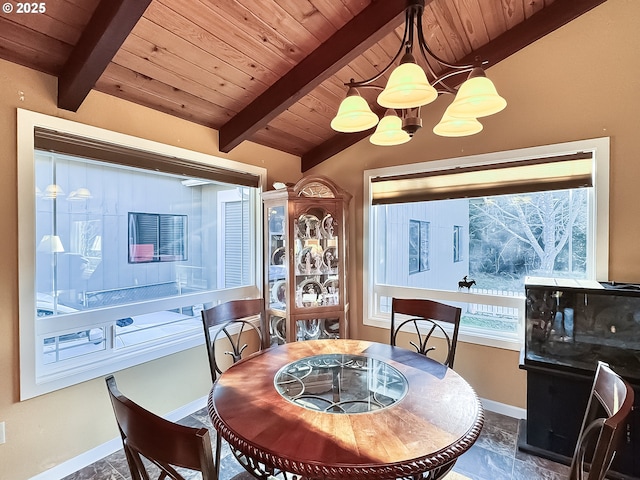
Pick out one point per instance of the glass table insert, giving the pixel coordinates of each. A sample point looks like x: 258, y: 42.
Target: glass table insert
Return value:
x: 341, y: 383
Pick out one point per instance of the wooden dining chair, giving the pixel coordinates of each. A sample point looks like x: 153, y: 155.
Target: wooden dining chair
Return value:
x: 157, y: 448
x: 426, y: 315
x: 233, y: 332
x: 604, y: 426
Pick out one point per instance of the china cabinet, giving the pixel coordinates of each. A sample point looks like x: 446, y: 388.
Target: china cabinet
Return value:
x: 306, y: 240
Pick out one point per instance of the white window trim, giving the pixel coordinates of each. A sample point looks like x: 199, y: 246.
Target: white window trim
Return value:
x: 27, y: 122
x: 599, y: 220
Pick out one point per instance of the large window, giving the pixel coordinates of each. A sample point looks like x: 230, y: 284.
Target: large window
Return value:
x: 532, y: 212
x: 123, y: 249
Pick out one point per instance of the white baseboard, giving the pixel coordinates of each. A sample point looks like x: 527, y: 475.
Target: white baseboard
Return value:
x: 504, y: 409
x: 98, y: 453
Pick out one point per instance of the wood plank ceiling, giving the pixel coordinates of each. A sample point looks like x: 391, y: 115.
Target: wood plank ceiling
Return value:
x: 268, y: 71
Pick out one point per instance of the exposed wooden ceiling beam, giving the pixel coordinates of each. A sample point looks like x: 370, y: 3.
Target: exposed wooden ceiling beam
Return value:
x: 105, y: 33
x: 358, y: 35
x: 331, y: 147
x: 542, y: 23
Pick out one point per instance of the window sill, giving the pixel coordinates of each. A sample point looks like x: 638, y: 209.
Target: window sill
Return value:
x: 469, y: 335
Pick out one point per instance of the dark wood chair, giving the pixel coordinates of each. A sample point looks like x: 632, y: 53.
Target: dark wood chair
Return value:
x: 604, y: 426
x: 154, y: 446
x: 233, y: 331
x: 425, y: 317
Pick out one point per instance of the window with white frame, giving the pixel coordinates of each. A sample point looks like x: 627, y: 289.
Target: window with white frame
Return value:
x: 532, y: 212
x: 457, y: 243
x: 122, y: 247
x: 418, y: 246
x: 157, y: 238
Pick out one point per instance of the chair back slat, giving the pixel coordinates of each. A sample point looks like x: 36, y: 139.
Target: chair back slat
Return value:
x: 427, y: 316
x: 232, y: 331
x: 233, y: 310
x: 165, y: 444
x: 604, y: 426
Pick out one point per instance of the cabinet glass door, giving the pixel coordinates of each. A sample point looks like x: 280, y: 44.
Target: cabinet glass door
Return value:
x: 277, y: 274
x: 316, y: 272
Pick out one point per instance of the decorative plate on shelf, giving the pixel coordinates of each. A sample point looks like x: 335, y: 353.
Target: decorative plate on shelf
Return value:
x: 309, y: 329
x: 312, y: 292
x: 332, y: 296
x: 279, y: 329
x: 309, y: 259
x: 331, y: 285
x: 308, y: 226
x: 330, y: 258
x: 279, y: 292
x: 326, y: 227
x: 278, y: 256
x: 331, y: 328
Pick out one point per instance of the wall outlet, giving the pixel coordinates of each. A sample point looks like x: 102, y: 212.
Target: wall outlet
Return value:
x: 2, y: 437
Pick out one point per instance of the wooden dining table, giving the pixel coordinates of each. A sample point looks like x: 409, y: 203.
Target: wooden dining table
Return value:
x: 345, y: 409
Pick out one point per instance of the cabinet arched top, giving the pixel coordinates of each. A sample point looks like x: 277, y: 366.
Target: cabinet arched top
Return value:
x: 320, y: 187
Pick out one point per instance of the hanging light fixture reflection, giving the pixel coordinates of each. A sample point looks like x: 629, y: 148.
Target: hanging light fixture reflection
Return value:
x: 53, y: 191
x: 50, y: 244
x: 409, y: 88
x: 80, y: 194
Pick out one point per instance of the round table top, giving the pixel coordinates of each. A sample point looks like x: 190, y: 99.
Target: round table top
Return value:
x: 438, y: 418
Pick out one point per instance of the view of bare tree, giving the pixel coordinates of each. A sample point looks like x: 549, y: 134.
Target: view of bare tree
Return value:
x: 516, y: 235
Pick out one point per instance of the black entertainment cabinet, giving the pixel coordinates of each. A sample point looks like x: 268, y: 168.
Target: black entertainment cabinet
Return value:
x: 570, y: 325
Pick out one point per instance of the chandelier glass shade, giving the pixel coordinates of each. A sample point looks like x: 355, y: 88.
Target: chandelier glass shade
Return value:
x: 409, y: 88
x: 354, y: 114
x: 389, y: 131
x: 451, y: 126
x: 477, y: 97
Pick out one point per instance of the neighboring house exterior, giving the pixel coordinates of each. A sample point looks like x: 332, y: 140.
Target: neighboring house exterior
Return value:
x: 419, y: 244
x: 134, y: 235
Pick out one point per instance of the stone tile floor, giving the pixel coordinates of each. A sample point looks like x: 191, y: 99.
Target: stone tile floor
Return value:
x: 494, y: 456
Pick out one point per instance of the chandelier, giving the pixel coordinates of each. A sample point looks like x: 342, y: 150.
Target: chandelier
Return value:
x: 410, y: 88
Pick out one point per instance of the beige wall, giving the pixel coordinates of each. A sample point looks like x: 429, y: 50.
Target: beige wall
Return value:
x: 582, y: 81
x: 579, y: 82
x: 50, y: 429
